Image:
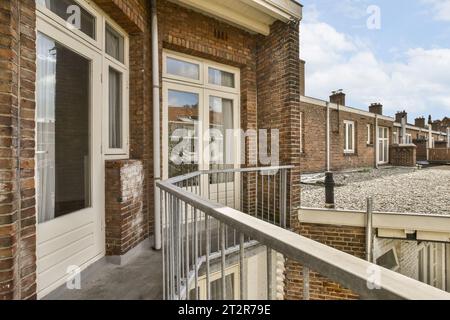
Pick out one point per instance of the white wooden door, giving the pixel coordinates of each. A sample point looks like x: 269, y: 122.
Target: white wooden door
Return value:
x: 70, y: 183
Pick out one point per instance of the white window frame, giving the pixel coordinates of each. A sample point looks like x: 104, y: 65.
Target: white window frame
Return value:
x: 369, y: 134
x: 95, y: 12
x: 234, y: 271
x: 347, y: 148
x: 99, y: 45
x: 438, y: 280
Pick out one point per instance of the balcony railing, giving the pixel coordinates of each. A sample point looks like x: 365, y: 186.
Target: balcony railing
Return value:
x: 214, y: 221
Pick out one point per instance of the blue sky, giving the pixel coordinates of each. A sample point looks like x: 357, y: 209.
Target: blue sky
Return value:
x: 405, y: 64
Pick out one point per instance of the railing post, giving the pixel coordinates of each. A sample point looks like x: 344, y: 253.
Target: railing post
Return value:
x: 269, y: 274
x: 241, y: 265
x: 306, y: 284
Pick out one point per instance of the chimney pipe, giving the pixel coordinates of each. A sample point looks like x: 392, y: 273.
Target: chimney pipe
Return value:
x: 376, y: 108
x: 338, y: 97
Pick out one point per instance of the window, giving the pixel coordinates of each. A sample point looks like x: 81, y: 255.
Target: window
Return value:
x: 432, y: 265
x: 231, y: 282
x: 115, y: 109
x: 349, y: 136
x: 408, y: 139
x: 396, y: 136
x: 184, y: 69
x: 220, y: 78
x: 369, y: 134
x: 67, y: 10
x: 389, y: 260
x: 114, y: 44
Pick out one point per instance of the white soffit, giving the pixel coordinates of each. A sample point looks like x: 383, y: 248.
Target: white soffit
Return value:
x: 255, y: 16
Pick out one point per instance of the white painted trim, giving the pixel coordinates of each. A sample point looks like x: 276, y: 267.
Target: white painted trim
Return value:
x: 232, y: 16
x: 347, y: 148
x: 395, y: 225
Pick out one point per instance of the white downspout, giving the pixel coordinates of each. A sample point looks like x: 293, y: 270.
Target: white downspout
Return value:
x: 377, y: 147
x: 156, y: 125
x: 328, y: 139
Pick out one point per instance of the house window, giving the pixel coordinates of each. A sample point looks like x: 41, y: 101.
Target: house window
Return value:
x: 182, y: 68
x: 389, y: 260
x: 408, y: 139
x: 431, y: 259
x: 231, y: 282
x: 115, y: 109
x: 396, y: 136
x: 67, y: 9
x: 220, y: 78
x: 369, y: 134
x: 301, y: 132
x: 349, y: 136
x: 114, y: 44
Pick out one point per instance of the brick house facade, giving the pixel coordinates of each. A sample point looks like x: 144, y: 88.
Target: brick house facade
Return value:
x: 129, y: 183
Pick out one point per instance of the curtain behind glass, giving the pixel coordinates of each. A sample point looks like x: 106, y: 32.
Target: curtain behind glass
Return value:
x: 45, y: 87
x: 115, y: 110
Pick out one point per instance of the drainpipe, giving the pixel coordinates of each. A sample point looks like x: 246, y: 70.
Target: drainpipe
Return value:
x: 369, y: 230
x: 377, y: 156
x: 156, y: 125
x: 448, y: 137
x: 328, y: 139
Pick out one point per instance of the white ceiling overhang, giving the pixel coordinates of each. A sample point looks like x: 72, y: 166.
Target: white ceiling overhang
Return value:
x: 255, y: 16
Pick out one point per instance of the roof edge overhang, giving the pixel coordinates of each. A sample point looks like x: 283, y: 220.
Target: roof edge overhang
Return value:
x: 272, y: 10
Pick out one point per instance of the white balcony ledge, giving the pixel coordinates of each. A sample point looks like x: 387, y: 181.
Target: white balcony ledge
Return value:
x: 255, y: 16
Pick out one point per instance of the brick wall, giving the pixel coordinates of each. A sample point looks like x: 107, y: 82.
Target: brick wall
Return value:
x: 403, y: 156
x: 347, y: 239
x: 126, y: 222
x: 17, y: 185
x: 314, y: 156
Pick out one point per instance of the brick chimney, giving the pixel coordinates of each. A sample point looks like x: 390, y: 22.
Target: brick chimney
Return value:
x: 338, y: 97
x: 376, y: 108
x: 420, y: 122
x: 400, y: 115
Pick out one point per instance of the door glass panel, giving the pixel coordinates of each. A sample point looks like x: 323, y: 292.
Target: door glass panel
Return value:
x: 183, y: 132
x: 63, y: 130
x: 221, y: 135
x: 74, y: 14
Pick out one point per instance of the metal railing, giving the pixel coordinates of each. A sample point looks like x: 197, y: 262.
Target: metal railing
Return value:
x: 219, y: 225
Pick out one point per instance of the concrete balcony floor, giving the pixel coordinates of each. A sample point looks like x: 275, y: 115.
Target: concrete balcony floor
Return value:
x: 140, y: 279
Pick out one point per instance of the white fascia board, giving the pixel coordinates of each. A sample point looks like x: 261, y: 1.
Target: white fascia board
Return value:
x: 432, y: 226
x: 284, y: 10
x: 233, y: 16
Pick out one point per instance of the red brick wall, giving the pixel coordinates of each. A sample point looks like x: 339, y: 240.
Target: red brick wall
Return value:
x: 17, y: 185
x: 403, y: 156
x: 347, y: 239
x: 314, y: 156
x: 126, y: 222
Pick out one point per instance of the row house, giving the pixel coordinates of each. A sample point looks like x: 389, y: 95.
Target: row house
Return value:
x: 94, y: 95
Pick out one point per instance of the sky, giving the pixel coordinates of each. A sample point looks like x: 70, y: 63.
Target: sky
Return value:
x: 396, y: 52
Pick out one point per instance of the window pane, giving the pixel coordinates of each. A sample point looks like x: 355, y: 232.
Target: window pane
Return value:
x: 115, y: 109
x: 114, y: 44
x: 221, y: 78
x: 183, y: 69
x: 222, y: 146
x: 63, y: 131
x: 72, y: 13
x: 216, y: 288
x: 183, y: 132
x: 350, y: 136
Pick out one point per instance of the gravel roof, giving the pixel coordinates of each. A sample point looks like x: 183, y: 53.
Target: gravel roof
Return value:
x: 401, y: 190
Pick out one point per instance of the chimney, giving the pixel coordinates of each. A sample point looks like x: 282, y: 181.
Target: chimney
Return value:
x: 338, y: 97
x: 376, y: 108
x: 400, y: 115
x: 430, y: 120
x: 302, y: 77
x: 420, y: 122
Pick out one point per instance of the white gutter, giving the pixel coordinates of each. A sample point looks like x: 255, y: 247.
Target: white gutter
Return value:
x: 156, y: 126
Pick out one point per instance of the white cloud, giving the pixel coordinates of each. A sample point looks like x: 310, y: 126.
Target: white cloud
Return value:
x: 440, y: 9
x: 419, y: 83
